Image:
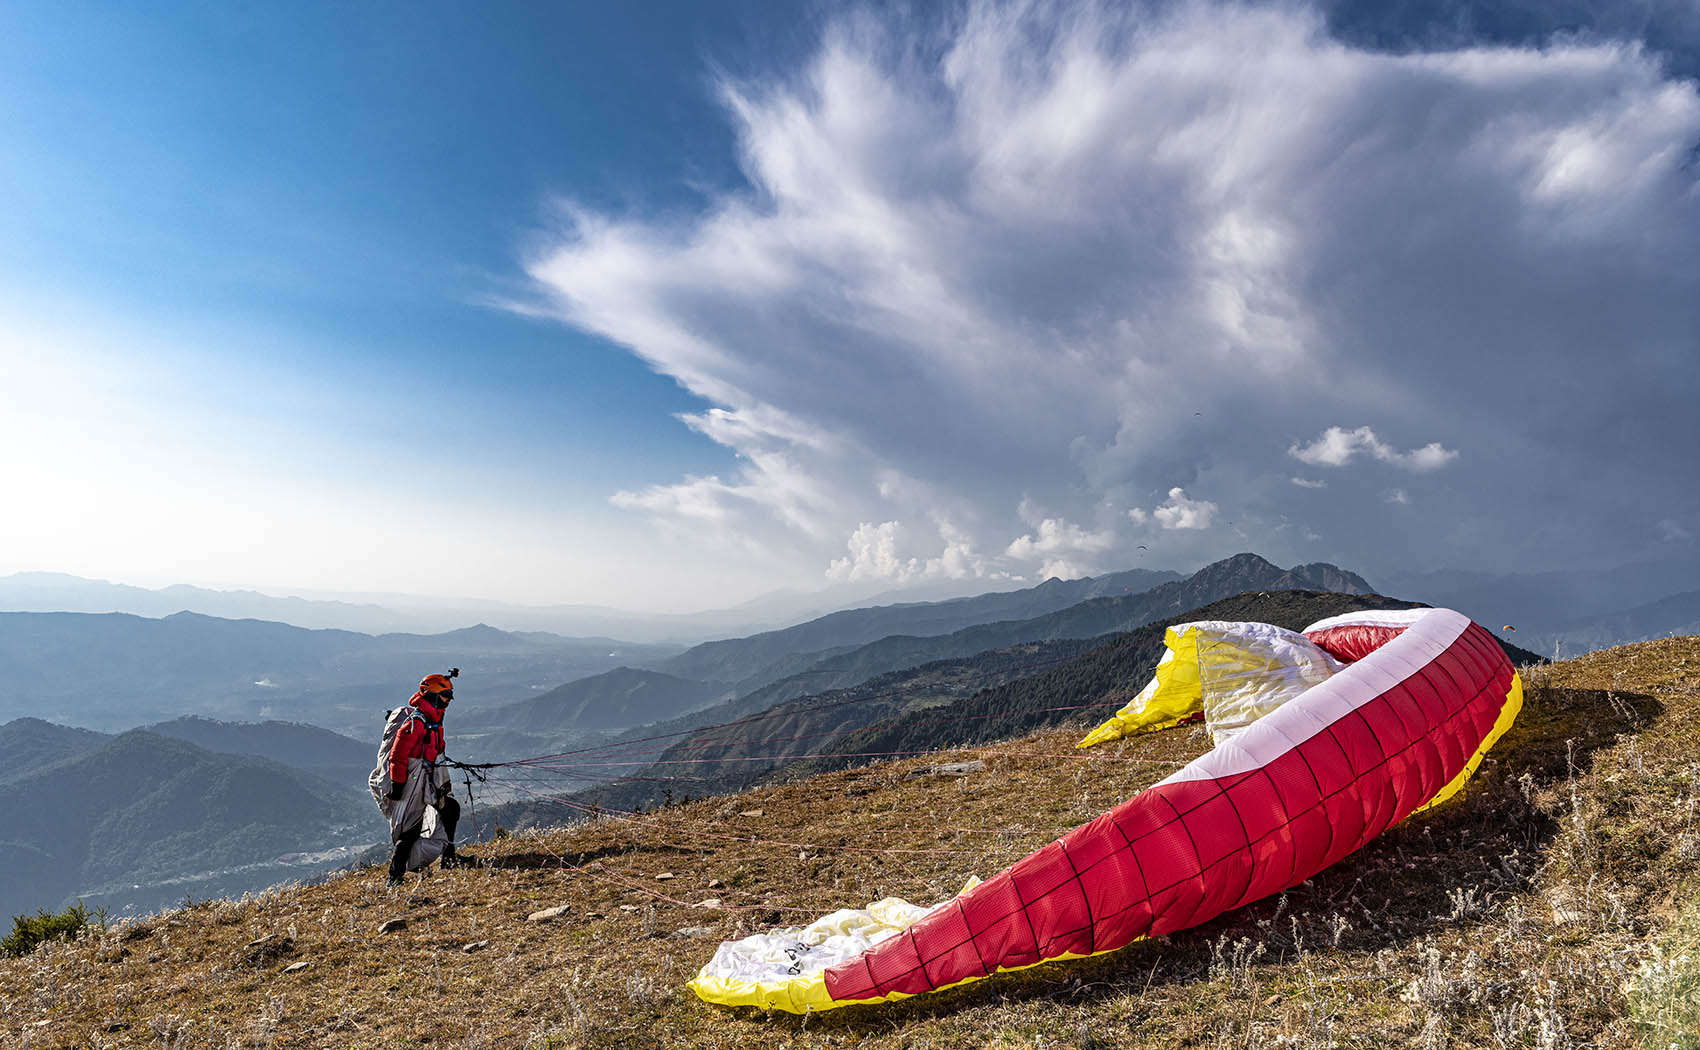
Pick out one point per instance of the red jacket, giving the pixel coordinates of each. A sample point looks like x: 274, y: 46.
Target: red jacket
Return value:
x: 420, y: 738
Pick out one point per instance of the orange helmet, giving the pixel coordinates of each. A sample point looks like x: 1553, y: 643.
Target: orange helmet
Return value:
x: 437, y: 683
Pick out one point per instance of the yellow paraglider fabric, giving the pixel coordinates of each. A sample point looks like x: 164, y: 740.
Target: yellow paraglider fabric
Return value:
x: 1174, y: 695
x: 1235, y: 673
x: 732, y: 977
x: 1507, y: 715
x: 786, y: 969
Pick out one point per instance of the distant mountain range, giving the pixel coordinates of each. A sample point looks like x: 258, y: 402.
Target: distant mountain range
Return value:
x: 615, y: 699
x: 1677, y: 614
x: 410, y: 614
x: 29, y: 744
x: 1568, y: 612
x: 754, y: 661
x: 140, y: 820
x: 113, y: 671
x: 1127, y: 601
x: 938, y: 667
x: 339, y: 760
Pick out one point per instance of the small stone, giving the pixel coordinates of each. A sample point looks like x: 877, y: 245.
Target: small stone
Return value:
x: 712, y: 902
x: 392, y: 926
x: 548, y: 913
x: 947, y: 769
x: 693, y: 933
x: 628, y: 907
x: 296, y: 967
x: 475, y: 946
x: 753, y: 813
x: 716, y: 884
x: 263, y: 951
x: 803, y: 855
x: 664, y: 876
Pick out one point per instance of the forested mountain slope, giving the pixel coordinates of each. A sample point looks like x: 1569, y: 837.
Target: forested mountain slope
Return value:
x: 144, y: 819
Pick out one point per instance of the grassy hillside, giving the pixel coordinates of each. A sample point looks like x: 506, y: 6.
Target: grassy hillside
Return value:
x: 1550, y: 906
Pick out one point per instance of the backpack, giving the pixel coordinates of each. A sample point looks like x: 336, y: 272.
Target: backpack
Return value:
x: 394, y: 719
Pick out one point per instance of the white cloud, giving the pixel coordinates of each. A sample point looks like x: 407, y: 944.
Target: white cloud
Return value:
x: 959, y: 560
x: 1062, y: 569
x: 1337, y: 446
x: 704, y: 499
x: 1399, y: 496
x: 874, y: 556
x: 1179, y: 512
x: 1055, y: 535
x: 1307, y: 483
x: 1138, y: 516
x: 1079, y: 252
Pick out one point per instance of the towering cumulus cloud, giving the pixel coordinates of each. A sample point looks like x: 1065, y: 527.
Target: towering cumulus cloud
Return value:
x: 1048, y: 282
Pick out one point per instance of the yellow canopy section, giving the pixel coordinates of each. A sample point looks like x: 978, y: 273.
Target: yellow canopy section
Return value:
x: 785, y: 969
x: 1235, y: 673
x: 1507, y: 715
x: 1170, y: 698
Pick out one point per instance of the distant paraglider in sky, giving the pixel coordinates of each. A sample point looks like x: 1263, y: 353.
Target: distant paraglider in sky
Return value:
x: 1323, y: 740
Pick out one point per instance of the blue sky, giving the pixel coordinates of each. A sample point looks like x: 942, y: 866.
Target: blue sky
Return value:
x: 666, y: 306
x: 283, y: 227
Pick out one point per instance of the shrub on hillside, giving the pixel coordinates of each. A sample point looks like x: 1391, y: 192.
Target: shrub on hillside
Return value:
x: 30, y: 931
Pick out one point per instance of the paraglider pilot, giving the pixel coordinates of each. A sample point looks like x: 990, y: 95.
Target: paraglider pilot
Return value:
x: 411, y: 787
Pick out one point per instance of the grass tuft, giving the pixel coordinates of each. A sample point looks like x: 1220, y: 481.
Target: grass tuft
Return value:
x: 31, y: 931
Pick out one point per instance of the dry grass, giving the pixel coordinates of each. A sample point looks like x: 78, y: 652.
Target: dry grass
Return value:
x: 1544, y: 910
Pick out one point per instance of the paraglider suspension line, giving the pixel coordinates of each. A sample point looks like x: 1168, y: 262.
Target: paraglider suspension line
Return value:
x: 471, y: 808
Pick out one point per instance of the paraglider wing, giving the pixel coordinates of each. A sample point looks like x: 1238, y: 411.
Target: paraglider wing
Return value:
x: 1226, y: 672
x: 1321, y: 774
